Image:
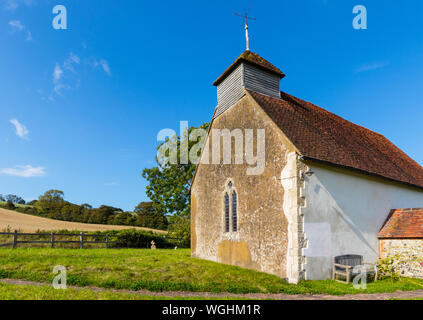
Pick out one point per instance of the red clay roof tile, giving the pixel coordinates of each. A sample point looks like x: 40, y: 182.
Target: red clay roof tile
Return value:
x: 403, y: 224
x: 321, y: 135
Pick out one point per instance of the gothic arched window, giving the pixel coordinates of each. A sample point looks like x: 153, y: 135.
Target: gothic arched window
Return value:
x: 234, y: 212
x: 227, y: 212
x: 230, y: 208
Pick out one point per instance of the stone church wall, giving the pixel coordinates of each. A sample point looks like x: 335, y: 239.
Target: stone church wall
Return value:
x: 261, y: 242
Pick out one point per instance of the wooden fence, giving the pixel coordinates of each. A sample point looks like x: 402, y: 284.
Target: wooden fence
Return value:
x: 53, y: 239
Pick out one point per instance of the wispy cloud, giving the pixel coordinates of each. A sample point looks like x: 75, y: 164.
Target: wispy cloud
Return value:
x: 372, y: 66
x: 110, y: 184
x: 24, y: 171
x: 21, y: 130
x: 12, y: 5
x: 57, y: 76
x: 57, y: 73
x: 65, y: 75
x: 72, y: 60
x: 61, y: 76
x: 104, y: 64
x: 18, y: 26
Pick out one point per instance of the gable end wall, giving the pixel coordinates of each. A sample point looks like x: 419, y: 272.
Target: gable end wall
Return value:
x: 268, y: 204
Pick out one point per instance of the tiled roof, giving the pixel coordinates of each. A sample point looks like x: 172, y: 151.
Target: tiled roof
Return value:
x: 254, y: 59
x: 403, y: 223
x: 321, y: 135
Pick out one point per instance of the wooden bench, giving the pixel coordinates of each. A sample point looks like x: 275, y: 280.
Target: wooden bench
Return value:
x: 344, y: 266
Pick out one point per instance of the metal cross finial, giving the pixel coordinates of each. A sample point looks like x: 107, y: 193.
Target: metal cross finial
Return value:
x: 246, y: 17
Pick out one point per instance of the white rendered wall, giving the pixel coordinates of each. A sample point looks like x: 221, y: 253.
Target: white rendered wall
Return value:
x: 344, y: 213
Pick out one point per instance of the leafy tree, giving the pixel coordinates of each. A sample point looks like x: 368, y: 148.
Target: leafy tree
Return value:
x: 148, y: 217
x: 86, y: 206
x: 10, y: 205
x: 102, y: 214
x: 51, y: 203
x: 180, y: 228
x: 168, y: 184
x: 32, y: 202
x: 124, y: 218
x: 52, y: 196
x: 71, y: 212
x: 14, y: 199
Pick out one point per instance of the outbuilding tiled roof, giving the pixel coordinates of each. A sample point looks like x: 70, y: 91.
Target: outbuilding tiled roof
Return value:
x: 403, y: 224
x: 321, y: 135
x: 253, y: 58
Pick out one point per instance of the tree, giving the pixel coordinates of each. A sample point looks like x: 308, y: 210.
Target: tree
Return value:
x: 168, y: 184
x: 103, y: 214
x: 86, y: 206
x: 180, y: 228
x: 124, y: 218
x: 51, y: 203
x: 2, y: 199
x: 148, y: 217
x: 14, y: 199
x: 10, y: 205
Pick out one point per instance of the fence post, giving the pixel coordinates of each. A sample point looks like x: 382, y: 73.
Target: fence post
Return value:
x: 52, y: 240
x: 81, y: 240
x: 15, y: 239
x: 107, y: 241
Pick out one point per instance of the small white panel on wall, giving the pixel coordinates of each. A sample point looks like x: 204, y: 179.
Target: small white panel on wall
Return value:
x: 318, y: 236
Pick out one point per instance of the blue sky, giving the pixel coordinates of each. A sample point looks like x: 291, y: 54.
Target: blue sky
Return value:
x: 81, y: 108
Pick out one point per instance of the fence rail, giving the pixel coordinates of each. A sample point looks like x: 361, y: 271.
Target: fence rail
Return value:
x: 82, y: 239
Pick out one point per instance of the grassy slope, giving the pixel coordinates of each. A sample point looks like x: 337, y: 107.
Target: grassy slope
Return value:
x: 30, y: 292
x: 164, y: 270
x: 29, y: 223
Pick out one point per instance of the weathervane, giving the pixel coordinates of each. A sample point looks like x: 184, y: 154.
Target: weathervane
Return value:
x: 246, y: 17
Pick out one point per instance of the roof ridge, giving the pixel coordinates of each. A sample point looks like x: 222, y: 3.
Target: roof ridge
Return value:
x: 327, y: 137
x: 334, y: 114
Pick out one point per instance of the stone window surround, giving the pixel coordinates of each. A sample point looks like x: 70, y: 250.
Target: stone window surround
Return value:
x: 229, y: 190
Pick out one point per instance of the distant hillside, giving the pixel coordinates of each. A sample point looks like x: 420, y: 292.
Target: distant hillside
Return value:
x: 29, y: 223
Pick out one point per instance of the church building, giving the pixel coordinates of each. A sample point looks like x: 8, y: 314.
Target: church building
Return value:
x: 327, y: 188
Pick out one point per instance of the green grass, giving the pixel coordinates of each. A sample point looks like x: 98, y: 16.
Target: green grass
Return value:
x: 31, y: 292
x: 165, y: 270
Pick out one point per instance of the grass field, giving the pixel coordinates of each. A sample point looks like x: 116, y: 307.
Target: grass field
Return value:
x: 28, y: 223
x: 31, y: 292
x: 165, y: 270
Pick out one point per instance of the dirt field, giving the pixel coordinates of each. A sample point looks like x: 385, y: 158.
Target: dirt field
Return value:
x: 28, y: 223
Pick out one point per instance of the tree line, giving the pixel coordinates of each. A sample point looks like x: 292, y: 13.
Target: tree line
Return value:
x: 11, y: 198
x: 53, y: 205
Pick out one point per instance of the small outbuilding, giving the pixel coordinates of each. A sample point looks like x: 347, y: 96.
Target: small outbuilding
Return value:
x: 401, y: 237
